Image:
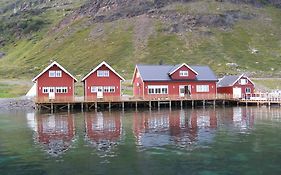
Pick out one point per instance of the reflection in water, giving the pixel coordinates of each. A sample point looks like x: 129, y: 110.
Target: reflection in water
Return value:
x: 173, y: 127
x: 103, y: 130
x: 54, y: 132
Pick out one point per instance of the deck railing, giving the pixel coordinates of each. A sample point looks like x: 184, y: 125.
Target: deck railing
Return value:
x: 65, y: 99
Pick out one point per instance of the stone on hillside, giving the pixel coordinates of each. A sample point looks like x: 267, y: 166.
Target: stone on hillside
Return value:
x: 2, y: 54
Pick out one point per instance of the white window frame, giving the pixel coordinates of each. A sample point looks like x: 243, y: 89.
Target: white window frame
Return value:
x: 202, y: 88
x: 105, y: 89
x: 183, y: 73
x: 45, y: 90
x: 58, y: 73
x: 55, y: 73
x: 52, y: 73
x: 243, y: 81
x: 158, y: 89
x: 103, y: 73
x: 248, y: 91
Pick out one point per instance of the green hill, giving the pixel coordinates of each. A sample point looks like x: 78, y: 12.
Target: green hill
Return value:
x: 230, y: 37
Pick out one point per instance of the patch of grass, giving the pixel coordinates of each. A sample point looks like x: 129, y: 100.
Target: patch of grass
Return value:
x: 10, y: 91
x: 271, y: 83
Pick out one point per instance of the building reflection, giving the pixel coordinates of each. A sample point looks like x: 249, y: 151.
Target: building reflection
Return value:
x: 55, y: 132
x: 103, y: 129
x: 173, y: 127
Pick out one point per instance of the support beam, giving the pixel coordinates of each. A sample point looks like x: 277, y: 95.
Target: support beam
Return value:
x: 204, y: 103
x: 149, y: 104
x: 181, y: 104
x: 192, y: 103
x: 136, y: 105
x: 214, y: 103
x: 82, y: 107
x: 52, y: 108
x: 96, y: 106
x: 68, y: 107
x: 158, y: 104
x: 123, y: 106
x: 170, y: 104
x: 109, y: 106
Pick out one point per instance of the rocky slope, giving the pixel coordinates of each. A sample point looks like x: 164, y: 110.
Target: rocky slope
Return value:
x: 229, y: 35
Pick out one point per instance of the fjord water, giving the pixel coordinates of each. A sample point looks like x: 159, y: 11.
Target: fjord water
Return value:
x: 192, y: 141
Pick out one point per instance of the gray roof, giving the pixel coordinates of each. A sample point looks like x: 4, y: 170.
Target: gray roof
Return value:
x: 161, y: 72
x: 227, y: 81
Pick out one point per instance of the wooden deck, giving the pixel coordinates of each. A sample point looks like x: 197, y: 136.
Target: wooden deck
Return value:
x: 153, y: 102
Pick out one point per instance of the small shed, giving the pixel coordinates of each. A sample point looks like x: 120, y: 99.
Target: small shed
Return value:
x: 236, y: 86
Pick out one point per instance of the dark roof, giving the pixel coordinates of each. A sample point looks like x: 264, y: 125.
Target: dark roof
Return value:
x: 161, y: 72
x: 229, y: 80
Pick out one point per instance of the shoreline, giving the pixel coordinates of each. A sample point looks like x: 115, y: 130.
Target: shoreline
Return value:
x: 18, y: 103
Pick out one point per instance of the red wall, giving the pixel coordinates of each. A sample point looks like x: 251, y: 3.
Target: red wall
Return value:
x: 65, y: 81
x: 137, y: 85
x: 93, y: 80
x: 173, y: 88
x: 176, y: 74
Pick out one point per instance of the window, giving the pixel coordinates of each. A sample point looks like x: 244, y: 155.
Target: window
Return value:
x: 94, y: 89
x: 53, y: 73
x: 248, y: 90
x: 183, y: 73
x: 157, y: 89
x: 103, y: 73
x: 243, y: 81
x: 61, y: 90
x: 106, y: 89
x: 45, y: 90
x: 202, y: 88
x: 58, y: 73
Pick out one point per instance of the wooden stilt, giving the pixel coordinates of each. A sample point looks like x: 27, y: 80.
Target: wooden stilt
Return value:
x: 181, y: 104
x: 82, y: 107
x: 109, y: 106
x: 170, y: 104
x: 123, y: 106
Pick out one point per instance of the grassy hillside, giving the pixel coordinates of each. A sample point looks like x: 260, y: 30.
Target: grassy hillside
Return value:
x: 251, y: 45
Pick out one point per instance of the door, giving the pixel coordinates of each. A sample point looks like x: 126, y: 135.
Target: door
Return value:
x: 52, y: 94
x: 100, y: 92
x: 237, y: 93
x: 184, y: 90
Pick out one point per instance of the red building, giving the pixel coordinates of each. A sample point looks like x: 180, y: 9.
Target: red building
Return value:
x: 55, y: 83
x: 102, y: 82
x: 236, y: 86
x: 174, y: 81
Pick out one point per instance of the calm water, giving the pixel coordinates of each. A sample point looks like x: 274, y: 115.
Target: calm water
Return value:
x: 200, y: 141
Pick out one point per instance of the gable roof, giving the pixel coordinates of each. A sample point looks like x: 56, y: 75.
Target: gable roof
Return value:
x: 51, y: 65
x: 177, y: 67
x: 101, y: 64
x: 230, y: 80
x: 162, y: 72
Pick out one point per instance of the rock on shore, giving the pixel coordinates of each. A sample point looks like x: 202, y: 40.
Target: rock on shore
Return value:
x: 21, y: 103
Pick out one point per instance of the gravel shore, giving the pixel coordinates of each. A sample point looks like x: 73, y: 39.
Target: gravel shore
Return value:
x: 20, y: 103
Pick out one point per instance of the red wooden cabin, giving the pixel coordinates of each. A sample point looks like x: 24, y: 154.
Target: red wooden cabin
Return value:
x: 55, y: 83
x: 174, y: 81
x: 102, y: 82
x: 236, y: 86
